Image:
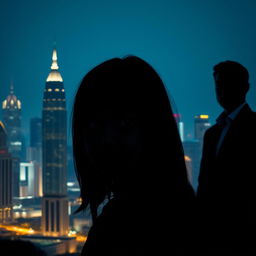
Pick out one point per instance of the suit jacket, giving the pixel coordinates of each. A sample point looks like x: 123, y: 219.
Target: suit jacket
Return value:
x: 227, y: 182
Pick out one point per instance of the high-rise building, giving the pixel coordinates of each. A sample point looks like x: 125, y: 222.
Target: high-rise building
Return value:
x: 188, y: 162
x: 180, y: 125
x: 12, y: 120
x: 201, y: 125
x: 55, y: 219
x: 11, y: 109
x: 192, y: 149
x: 36, y: 132
x: 71, y: 170
x: 34, y: 151
x: 34, y: 157
x: 30, y: 179
x: 6, y: 212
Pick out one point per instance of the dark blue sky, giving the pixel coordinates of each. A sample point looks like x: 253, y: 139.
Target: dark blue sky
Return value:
x: 181, y: 39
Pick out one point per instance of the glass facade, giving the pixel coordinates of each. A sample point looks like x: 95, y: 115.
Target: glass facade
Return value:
x: 54, y: 148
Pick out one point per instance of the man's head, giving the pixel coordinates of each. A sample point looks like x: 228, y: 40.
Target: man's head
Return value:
x: 231, y: 84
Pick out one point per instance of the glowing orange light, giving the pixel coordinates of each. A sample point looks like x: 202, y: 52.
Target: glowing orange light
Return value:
x: 187, y: 158
x: 81, y: 238
x: 18, y: 229
x: 79, y: 200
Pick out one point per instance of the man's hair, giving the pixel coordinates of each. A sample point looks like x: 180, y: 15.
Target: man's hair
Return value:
x: 233, y: 71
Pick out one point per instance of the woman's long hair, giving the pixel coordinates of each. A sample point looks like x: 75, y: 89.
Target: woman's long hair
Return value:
x: 130, y: 85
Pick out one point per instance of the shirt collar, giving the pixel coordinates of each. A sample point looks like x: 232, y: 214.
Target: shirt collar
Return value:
x: 232, y: 115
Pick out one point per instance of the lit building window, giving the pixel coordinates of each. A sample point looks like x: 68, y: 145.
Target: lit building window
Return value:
x: 204, y: 116
x: 4, y: 104
x: 49, y: 90
x: 57, y: 90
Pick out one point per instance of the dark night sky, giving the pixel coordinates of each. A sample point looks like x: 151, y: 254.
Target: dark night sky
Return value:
x: 181, y: 39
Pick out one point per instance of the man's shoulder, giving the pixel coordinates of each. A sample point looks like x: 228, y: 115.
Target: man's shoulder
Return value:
x: 249, y: 119
x: 251, y: 123
x: 247, y: 113
x: 252, y: 116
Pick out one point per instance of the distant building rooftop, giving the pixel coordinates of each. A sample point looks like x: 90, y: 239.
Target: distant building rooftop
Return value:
x: 53, y: 245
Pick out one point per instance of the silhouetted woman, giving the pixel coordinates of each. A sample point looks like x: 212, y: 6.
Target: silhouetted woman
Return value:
x: 127, y: 151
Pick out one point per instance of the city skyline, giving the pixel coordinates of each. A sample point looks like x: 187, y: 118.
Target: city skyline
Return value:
x: 55, y: 202
x: 6, y: 191
x: 40, y: 210
x: 182, y: 42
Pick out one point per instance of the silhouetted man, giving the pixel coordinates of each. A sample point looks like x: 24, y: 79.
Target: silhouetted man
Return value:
x: 227, y: 180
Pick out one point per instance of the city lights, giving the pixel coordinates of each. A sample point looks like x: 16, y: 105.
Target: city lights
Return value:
x: 204, y: 116
x: 18, y: 230
x: 44, y: 198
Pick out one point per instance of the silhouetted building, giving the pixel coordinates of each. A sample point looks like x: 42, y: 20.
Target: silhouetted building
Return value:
x: 6, y: 212
x: 201, y: 125
x: 55, y: 219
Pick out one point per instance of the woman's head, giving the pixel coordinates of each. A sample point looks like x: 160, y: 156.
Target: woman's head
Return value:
x: 122, y: 119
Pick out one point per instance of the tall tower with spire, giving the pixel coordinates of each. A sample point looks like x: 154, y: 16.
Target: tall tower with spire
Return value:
x: 11, y: 108
x: 55, y: 221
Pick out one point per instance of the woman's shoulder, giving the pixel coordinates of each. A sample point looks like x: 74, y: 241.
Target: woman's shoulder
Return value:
x: 108, y: 231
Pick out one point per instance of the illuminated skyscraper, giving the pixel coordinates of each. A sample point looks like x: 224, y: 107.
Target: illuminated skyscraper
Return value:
x: 12, y: 121
x: 36, y: 132
x: 201, y: 125
x: 34, y: 156
x: 34, y: 151
x: 11, y: 108
x: 188, y: 162
x: 30, y: 179
x: 192, y: 149
x: 55, y: 220
x: 5, y: 179
x: 180, y: 125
